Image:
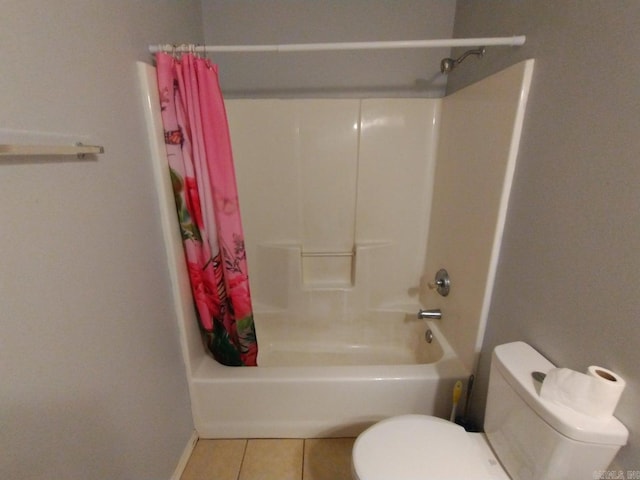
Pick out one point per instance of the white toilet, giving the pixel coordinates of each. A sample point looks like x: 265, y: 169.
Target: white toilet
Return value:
x: 526, y: 437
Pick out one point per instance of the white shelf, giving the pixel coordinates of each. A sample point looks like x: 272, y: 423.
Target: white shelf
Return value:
x: 26, y: 150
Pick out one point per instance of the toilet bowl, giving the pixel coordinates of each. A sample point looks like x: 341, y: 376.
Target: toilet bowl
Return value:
x: 526, y: 436
x: 423, y: 447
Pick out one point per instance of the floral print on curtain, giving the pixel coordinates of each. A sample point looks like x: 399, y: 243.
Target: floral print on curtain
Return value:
x: 204, y: 184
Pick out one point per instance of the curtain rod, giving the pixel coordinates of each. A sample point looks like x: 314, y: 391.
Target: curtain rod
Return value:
x: 307, y: 47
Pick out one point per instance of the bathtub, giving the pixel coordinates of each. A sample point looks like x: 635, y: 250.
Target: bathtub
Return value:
x: 316, y: 379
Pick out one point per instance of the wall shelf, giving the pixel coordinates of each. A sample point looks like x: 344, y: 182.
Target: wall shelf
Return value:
x: 29, y: 150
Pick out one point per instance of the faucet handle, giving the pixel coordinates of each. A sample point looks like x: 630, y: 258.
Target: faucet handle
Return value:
x: 442, y: 283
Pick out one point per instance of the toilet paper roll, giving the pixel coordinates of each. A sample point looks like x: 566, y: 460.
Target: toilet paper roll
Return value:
x: 595, y: 393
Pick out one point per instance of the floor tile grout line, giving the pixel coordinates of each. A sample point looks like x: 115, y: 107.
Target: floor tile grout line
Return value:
x: 304, y: 452
x: 244, y: 454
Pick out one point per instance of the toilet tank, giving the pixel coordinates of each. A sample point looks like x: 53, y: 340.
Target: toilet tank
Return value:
x: 536, y: 439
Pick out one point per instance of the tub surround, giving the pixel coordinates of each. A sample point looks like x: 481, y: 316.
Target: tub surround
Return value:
x: 480, y: 129
x: 334, y: 194
x: 357, y: 182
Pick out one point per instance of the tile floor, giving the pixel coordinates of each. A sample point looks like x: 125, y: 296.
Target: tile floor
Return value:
x: 271, y: 459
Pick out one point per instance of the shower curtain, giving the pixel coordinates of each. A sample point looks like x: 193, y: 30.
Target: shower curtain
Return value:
x: 204, y: 185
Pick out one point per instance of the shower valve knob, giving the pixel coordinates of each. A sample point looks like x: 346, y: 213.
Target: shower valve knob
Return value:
x: 442, y: 283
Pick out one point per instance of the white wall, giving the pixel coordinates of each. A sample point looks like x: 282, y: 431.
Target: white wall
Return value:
x: 329, y: 74
x: 93, y: 384
x: 569, y: 275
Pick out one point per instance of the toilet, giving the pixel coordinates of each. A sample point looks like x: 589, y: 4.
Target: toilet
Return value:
x: 526, y: 436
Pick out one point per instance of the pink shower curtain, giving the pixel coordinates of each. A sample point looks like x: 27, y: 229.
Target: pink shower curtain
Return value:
x: 203, y: 178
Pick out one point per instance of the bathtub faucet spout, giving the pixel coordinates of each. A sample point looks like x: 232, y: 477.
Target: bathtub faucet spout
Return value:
x: 434, y: 313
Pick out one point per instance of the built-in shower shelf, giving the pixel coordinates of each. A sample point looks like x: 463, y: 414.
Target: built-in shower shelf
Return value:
x: 335, y: 286
x: 33, y: 150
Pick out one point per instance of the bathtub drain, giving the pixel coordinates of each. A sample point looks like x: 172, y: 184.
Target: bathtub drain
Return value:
x: 428, y: 336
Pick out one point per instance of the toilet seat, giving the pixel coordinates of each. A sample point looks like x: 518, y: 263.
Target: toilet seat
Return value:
x: 416, y: 447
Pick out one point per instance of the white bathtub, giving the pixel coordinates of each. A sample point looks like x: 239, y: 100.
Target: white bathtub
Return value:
x: 322, y: 380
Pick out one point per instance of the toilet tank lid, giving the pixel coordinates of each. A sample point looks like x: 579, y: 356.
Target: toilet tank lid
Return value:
x: 517, y: 361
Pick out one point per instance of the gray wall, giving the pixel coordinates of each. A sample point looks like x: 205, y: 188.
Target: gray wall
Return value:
x: 92, y: 379
x: 569, y: 275
x: 329, y: 74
